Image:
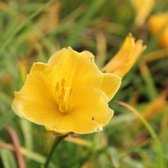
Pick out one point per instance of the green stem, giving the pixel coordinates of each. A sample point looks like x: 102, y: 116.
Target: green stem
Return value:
x: 55, y: 144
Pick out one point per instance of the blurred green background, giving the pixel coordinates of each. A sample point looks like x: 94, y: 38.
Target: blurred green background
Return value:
x: 32, y: 31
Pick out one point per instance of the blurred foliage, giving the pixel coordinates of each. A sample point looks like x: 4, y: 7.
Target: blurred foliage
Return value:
x: 32, y: 31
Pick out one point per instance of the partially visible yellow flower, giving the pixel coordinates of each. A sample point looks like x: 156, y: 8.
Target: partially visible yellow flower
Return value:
x: 142, y: 8
x: 126, y: 57
x: 67, y: 94
x: 159, y: 24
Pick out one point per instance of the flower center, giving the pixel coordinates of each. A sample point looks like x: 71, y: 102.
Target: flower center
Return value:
x: 63, y: 95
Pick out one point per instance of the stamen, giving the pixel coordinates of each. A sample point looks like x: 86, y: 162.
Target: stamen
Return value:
x: 64, y: 94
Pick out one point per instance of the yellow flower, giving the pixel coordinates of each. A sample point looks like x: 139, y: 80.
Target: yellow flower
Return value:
x: 142, y: 8
x: 68, y: 94
x: 126, y: 57
x: 159, y: 24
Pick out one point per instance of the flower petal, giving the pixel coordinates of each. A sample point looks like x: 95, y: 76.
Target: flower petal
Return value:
x: 87, y: 115
x: 34, y: 101
x: 110, y: 84
x: 80, y: 70
x: 158, y: 24
x: 77, y: 68
x: 122, y: 62
x: 38, y: 67
x: 83, y: 124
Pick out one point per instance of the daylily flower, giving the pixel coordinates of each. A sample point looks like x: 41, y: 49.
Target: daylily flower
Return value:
x: 159, y: 24
x: 67, y: 94
x: 142, y: 8
x: 122, y: 62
